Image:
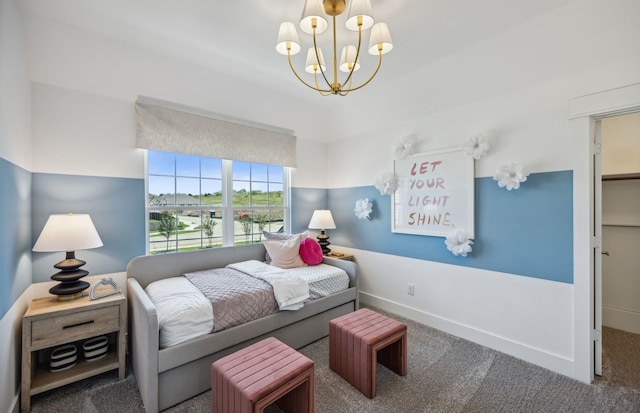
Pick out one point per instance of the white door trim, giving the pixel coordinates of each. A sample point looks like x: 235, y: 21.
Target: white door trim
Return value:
x: 583, y: 111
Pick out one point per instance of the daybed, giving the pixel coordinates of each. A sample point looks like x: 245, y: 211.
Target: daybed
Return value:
x: 167, y: 376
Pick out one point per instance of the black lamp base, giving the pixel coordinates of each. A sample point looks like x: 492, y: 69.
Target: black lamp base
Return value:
x: 69, y: 290
x: 70, y: 287
x: 323, y: 240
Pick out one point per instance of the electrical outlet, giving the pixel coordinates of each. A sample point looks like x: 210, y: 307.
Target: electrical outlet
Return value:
x: 411, y: 290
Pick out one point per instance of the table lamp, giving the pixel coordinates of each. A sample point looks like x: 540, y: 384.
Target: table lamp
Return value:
x: 68, y: 232
x: 322, y: 219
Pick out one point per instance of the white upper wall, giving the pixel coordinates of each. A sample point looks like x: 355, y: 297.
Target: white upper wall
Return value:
x: 574, y: 37
x: 514, y: 89
x: 76, y: 133
x: 581, y: 47
x: 15, y: 92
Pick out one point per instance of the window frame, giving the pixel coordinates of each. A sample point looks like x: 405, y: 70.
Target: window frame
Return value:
x: 228, y: 209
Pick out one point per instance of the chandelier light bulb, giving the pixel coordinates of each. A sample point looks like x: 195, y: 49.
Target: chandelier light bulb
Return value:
x: 360, y: 8
x: 288, y: 39
x: 380, y: 38
x: 348, y: 59
x: 313, y: 13
x: 312, y: 64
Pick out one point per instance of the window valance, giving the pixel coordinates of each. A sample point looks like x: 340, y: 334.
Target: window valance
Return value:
x: 179, y: 129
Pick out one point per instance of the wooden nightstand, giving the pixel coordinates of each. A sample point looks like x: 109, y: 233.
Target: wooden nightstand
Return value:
x: 341, y: 255
x: 50, y: 323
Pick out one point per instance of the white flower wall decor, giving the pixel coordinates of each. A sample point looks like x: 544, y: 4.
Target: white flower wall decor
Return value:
x: 407, y: 146
x: 386, y: 183
x: 510, y: 176
x: 458, y: 242
x: 363, y: 208
x: 475, y: 146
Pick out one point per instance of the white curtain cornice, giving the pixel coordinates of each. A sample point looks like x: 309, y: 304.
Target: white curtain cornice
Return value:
x: 169, y: 127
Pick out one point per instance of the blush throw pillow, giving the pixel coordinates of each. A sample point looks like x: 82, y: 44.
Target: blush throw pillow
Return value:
x: 284, y: 254
x: 310, y: 251
x: 280, y: 236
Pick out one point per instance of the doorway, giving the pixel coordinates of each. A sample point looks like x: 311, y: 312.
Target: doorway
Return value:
x: 620, y: 261
x: 583, y: 112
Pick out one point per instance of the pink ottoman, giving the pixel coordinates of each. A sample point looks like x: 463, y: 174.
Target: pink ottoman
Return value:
x: 359, y: 340
x: 269, y: 371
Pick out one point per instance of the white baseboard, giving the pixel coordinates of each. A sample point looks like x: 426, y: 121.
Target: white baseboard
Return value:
x: 553, y: 362
x: 621, y: 319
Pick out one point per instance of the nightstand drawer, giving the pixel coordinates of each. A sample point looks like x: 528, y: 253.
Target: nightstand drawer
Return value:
x: 76, y: 326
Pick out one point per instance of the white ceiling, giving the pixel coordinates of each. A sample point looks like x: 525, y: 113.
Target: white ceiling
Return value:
x: 220, y: 55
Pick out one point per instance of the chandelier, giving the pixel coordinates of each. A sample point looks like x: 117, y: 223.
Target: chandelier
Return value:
x: 314, y: 22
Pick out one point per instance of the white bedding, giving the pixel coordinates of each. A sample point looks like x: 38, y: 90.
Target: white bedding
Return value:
x: 185, y: 313
x: 289, y: 289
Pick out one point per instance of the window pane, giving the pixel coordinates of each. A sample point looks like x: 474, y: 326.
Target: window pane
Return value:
x: 162, y: 231
x: 243, y: 228
x: 211, y: 168
x: 160, y: 185
x: 241, y: 194
x: 187, y: 165
x: 276, y: 173
x: 259, y: 193
x: 193, y: 188
x: 275, y: 221
x: 211, y: 228
x: 211, y: 192
x: 276, y: 197
x: 161, y: 163
x: 259, y: 172
x: 241, y: 171
x: 189, y: 187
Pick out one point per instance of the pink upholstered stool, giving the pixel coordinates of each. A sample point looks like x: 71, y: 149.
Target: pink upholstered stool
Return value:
x: 359, y: 340
x: 269, y: 371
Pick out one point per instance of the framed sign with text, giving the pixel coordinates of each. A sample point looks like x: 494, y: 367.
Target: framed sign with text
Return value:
x: 435, y: 193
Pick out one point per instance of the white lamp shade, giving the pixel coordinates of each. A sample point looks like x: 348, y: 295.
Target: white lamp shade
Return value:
x: 322, y: 219
x: 360, y: 8
x: 288, y: 38
x: 380, y: 36
x: 312, y: 62
x: 348, y: 59
x: 313, y: 9
x: 68, y: 232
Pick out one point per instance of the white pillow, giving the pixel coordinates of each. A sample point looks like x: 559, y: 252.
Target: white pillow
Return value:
x: 280, y: 236
x: 285, y: 253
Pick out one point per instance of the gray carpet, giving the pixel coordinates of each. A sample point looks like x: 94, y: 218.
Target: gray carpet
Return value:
x: 446, y: 374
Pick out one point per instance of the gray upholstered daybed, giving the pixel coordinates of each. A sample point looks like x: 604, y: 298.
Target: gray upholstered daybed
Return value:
x: 171, y: 375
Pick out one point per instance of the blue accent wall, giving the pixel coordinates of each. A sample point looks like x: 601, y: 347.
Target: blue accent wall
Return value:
x: 15, y: 240
x: 116, y: 206
x: 527, y: 232
x: 303, y: 202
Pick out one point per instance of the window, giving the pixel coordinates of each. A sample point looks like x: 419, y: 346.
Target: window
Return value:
x: 196, y: 202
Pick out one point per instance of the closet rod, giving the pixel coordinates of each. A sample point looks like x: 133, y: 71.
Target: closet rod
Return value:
x: 620, y: 177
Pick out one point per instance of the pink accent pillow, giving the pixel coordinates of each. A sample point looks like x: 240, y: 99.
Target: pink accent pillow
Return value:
x: 310, y: 251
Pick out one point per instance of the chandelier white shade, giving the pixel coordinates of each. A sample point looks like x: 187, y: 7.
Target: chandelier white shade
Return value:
x: 314, y: 22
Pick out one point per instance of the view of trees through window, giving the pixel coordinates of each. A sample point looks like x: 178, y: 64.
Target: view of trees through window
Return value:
x: 196, y: 202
